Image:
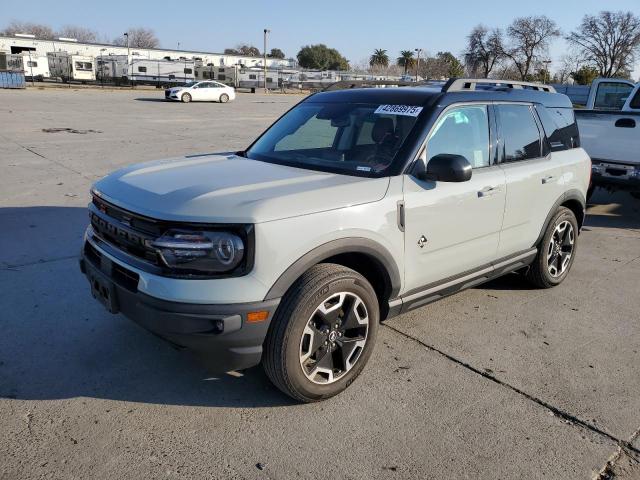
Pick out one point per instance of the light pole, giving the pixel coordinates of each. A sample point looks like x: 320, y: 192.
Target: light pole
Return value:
x: 547, y: 73
x: 102, y: 66
x: 126, y: 34
x: 266, y: 31
x: 418, y: 50
x: 31, y: 66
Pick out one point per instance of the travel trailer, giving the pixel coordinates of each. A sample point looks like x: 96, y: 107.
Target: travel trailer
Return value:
x: 71, y: 67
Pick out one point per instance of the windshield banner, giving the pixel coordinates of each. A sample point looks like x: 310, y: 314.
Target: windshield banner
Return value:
x: 406, y: 110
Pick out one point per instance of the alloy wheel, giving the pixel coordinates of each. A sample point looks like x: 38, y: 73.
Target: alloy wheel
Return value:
x: 334, y: 338
x: 560, y: 248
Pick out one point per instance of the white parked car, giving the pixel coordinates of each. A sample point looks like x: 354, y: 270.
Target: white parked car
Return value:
x: 208, y: 91
x: 355, y: 206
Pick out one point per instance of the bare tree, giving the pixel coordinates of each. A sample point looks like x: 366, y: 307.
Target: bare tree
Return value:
x: 484, y: 49
x: 79, y: 33
x: 529, y: 39
x: 44, y: 32
x: 139, y: 38
x: 610, y: 40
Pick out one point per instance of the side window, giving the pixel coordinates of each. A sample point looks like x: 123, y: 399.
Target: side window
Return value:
x: 635, y: 102
x: 462, y: 131
x: 519, y: 132
x: 188, y: 70
x: 560, y: 127
x: 611, y: 96
x: 142, y: 69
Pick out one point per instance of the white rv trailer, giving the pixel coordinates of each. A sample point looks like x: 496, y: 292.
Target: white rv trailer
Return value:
x: 36, y: 67
x: 71, y: 67
x: 161, y: 72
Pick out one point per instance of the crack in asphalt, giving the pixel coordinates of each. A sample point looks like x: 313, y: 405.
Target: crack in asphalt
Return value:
x: 567, y: 417
x: 608, y: 471
x: 14, y: 267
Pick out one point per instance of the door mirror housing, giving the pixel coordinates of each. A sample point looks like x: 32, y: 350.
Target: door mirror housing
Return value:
x: 445, y: 168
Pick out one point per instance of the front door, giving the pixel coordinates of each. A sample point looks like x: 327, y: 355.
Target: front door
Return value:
x: 451, y: 228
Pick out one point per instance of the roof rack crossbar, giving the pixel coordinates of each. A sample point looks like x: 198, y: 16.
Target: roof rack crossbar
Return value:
x: 469, y: 84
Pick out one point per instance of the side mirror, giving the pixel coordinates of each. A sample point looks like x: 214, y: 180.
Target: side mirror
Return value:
x: 445, y: 168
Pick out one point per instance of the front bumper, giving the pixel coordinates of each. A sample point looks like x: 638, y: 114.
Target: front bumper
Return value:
x: 220, y: 335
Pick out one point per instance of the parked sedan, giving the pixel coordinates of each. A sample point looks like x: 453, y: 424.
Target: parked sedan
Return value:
x: 208, y: 91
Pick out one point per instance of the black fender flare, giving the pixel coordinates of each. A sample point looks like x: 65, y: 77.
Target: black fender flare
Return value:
x: 336, y: 247
x: 572, y: 194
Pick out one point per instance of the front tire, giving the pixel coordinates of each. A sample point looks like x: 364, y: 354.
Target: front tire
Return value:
x: 322, y: 334
x: 556, y: 251
x: 224, y: 98
x: 186, y: 98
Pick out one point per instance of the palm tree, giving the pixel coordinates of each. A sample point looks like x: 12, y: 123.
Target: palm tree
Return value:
x: 406, y: 60
x: 379, y: 58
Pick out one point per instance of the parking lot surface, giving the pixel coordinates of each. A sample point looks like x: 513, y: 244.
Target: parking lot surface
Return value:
x: 501, y: 381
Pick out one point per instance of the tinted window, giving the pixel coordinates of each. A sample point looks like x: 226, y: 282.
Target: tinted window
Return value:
x: 611, y: 96
x: 560, y: 127
x: 188, y: 70
x: 635, y: 102
x: 520, y: 133
x: 462, y: 131
x: 142, y: 69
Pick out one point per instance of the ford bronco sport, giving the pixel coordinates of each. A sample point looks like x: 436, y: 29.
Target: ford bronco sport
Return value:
x: 355, y: 206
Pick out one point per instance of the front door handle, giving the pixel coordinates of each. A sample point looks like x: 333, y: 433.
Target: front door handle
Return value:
x: 548, y: 179
x: 488, y: 191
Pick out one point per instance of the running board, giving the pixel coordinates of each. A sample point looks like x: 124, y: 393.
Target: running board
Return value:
x: 451, y: 285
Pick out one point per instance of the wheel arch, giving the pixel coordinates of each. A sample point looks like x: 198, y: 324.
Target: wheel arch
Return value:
x: 575, y: 201
x: 365, y: 256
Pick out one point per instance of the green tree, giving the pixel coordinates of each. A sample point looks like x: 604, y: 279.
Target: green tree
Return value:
x: 585, y: 75
x: 321, y: 57
x: 379, y: 58
x: 453, y: 67
x: 276, y: 53
x: 406, y: 60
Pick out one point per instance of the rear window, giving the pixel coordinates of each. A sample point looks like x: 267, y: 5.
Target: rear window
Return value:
x: 560, y: 127
x: 635, y: 101
x: 611, y: 96
x: 520, y: 133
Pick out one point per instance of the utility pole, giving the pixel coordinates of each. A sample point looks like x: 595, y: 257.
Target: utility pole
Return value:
x: 266, y: 31
x: 101, y: 69
x: 547, y: 73
x: 33, y: 84
x: 419, y: 50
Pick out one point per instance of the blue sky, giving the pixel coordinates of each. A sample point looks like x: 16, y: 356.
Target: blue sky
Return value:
x: 353, y: 27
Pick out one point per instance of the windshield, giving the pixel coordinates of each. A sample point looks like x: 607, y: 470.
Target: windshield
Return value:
x: 352, y: 138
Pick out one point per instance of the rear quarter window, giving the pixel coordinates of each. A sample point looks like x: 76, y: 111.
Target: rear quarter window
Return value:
x: 560, y: 127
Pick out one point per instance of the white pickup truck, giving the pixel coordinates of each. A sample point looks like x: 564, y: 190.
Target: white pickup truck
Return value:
x: 610, y: 133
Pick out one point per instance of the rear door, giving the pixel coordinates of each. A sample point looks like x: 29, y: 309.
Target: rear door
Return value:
x: 451, y: 228
x: 534, y: 180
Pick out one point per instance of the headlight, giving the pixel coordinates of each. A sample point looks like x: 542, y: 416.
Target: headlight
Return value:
x: 635, y: 172
x: 201, y: 252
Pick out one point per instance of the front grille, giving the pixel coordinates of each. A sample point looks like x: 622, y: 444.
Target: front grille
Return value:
x: 125, y: 231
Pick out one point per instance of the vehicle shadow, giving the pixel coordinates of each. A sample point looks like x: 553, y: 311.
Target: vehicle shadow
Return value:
x: 151, y: 99
x: 613, y: 210
x: 58, y: 342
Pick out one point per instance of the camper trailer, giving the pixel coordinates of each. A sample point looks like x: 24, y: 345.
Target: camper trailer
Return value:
x: 36, y: 67
x: 111, y: 68
x: 71, y: 67
x: 161, y: 72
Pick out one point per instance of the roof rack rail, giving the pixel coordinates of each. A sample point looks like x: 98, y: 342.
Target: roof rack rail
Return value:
x: 470, y: 84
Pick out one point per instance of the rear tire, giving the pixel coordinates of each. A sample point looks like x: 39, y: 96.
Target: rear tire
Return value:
x: 186, y: 98
x: 556, y: 252
x: 322, y: 334
x: 224, y: 98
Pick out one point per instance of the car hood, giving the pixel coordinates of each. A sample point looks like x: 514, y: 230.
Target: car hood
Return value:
x: 216, y: 188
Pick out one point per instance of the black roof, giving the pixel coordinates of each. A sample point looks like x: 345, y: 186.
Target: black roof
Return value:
x: 427, y: 95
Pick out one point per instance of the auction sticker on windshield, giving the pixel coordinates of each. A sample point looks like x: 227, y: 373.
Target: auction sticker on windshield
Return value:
x: 406, y: 110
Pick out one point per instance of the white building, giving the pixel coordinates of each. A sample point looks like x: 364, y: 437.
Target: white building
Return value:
x: 21, y: 44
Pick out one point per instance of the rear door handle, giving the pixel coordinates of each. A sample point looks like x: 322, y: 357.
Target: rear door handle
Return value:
x: 548, y: 179
x: 625, y: 123
x: 488, y: 191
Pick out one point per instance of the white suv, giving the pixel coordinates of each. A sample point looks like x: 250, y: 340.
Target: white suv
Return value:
x: 356, y: 205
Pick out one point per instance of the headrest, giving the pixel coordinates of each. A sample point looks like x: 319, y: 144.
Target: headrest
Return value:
x: 381, y: 129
